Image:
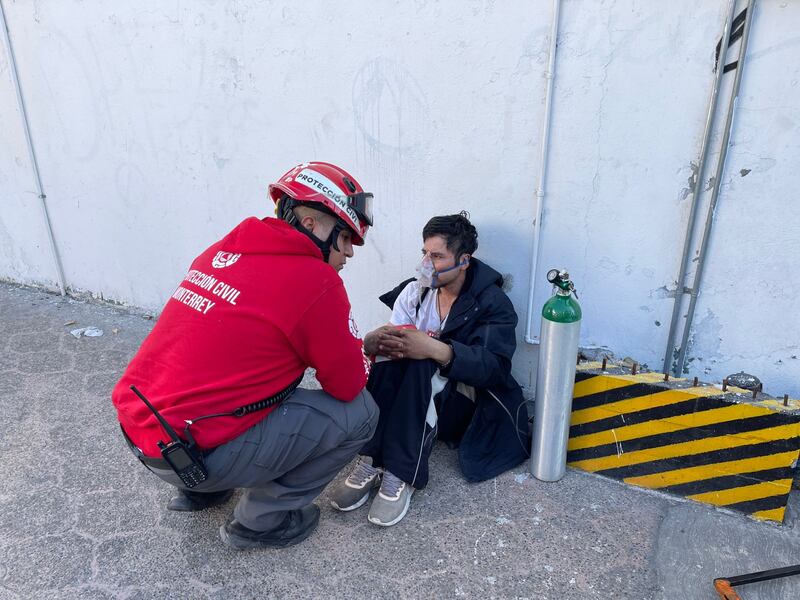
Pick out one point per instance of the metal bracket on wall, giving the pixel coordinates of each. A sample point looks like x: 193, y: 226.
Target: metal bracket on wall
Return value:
x: 735, y: 29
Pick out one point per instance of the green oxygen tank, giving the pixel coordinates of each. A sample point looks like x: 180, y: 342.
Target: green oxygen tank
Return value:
x: 555, y: 379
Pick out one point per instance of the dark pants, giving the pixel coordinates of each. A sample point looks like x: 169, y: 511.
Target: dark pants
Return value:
x: 286, y: 460
x: 412, y: 411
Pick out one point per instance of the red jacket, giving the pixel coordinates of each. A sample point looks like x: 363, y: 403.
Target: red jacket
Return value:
x: 253, y: 312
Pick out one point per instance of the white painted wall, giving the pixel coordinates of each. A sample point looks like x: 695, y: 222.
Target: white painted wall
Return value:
x: 158, y: 126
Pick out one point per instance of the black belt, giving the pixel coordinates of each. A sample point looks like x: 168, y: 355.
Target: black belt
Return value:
x: 147, y: 461
x: 152, y: 461
x: 161, y: 464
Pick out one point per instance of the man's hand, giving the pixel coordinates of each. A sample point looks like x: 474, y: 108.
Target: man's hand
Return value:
x: 374, y: 341
x: 418, y: 345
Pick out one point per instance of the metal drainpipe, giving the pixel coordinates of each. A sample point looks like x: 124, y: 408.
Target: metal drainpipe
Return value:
x: 537, y: 225
x: 42, y: 197
x: 696, y: 187
x: 717, y: 181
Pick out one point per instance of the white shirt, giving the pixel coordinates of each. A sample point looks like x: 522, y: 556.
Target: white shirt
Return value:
x: 405, y: 312
x: 427, y: 319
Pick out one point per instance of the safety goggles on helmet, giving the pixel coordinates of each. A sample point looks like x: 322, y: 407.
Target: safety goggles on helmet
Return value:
x: 362, y: 204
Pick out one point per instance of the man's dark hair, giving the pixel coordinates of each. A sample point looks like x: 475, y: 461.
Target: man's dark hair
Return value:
x: 460, y: 235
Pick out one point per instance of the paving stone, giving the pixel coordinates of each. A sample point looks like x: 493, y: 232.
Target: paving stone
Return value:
x: 8, y: 361
x: 84, y: 592
x: 696, y: 542
x: 34, y: 341
x: 38, y: 363
x: 45, y: 562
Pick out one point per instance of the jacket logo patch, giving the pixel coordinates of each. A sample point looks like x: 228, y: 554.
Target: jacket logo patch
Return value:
x: 353, y: 326
x: 224, y: 259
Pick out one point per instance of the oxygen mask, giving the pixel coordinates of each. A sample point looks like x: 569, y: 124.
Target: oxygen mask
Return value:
x: 426, y: 272
x: 425, y: 275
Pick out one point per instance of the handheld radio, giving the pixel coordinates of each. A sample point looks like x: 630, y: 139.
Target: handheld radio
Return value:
x: 182, y: 457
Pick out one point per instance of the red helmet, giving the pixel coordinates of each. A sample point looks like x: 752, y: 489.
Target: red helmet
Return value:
x: 333, y: 188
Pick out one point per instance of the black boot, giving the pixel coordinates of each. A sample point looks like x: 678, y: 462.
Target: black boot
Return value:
x: 295, y: 527
x: 188, y: 501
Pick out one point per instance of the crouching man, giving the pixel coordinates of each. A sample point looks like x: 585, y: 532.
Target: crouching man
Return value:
x: 450, y: 339
x: 222, y: 365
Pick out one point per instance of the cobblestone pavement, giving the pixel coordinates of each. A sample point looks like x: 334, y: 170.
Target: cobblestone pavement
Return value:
x: 80, y: 518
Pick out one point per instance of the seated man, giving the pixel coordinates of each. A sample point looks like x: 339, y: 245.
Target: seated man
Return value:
x: 451, y: 338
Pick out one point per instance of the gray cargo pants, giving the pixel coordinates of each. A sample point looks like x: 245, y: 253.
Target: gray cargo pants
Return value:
x: 285, y: 461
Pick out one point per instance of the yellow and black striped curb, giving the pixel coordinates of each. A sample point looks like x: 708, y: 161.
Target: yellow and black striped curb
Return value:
x: 721, y: 448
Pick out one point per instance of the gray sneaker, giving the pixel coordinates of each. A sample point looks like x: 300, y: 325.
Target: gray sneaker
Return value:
x: 391, y: 503
x: 354, y: 491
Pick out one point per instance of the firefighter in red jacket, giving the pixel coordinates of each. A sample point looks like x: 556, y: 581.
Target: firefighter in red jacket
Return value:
x: 222, y: 363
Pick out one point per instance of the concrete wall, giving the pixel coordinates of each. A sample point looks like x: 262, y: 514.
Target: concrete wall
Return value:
x: 158, y: 126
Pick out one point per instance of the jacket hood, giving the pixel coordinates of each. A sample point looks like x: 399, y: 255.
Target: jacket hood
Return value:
x: 480, y: 276
x: 268, y: 236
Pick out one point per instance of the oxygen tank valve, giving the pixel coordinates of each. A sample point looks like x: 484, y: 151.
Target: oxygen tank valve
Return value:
x: 561, y: 280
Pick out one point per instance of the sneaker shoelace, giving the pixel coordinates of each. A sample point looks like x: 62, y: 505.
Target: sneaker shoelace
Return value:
x: 362, y: 473
x: 391, y: 485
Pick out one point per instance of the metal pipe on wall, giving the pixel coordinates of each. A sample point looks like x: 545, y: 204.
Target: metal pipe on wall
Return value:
x: 696, y: 187
x: 34, y: 164
x: 701, y: 259
x: 537, y: 225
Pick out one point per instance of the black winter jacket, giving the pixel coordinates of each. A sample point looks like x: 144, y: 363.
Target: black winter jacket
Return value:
x: 481, y: 328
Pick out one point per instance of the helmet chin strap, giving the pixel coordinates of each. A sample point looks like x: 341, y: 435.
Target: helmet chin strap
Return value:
x: 286, y: 213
